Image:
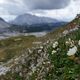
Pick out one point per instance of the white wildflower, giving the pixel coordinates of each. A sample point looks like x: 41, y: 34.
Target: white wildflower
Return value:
x: 20, y: 74
x: 70, y: 42
x: 53, y: 52
x: 67, y: 42
x: 69, y: 39
x: 79, y: 42
x: 39, y: 51
x: 48, y: 62
x: 44, y: 62
x: 47, y: 42
x: 30, y: 51
x: 55, y: 44
x: 58, y: 49
x: 65, y: 32
x: 41, y: 47
x: 72, y: 51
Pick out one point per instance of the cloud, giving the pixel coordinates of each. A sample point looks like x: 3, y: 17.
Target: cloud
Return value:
x: 68, y: 13
x: 46, y: 4
x: 22, y: 6
x: 59, y: 9
x: 13, y: 7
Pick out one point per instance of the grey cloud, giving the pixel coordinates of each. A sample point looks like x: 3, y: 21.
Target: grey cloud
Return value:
x: 46, y: 4
x: 15, y: 7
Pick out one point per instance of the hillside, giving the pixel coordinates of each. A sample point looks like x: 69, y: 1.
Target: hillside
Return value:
x: 55, y: 56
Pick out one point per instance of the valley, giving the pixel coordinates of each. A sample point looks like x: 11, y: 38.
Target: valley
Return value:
x: 42, y: 58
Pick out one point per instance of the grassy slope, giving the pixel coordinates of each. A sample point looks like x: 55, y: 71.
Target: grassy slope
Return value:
x: 64, y: 69
x: 13, y: 46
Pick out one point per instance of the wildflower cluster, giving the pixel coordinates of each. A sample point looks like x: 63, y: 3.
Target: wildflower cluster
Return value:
x: 55, y: 46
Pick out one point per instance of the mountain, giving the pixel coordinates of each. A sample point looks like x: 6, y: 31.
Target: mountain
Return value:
x: 32, y: 23
x: 28, y: 19
x: 3, y: 24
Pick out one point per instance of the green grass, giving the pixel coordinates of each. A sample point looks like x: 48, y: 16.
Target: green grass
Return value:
x: 64, y: 69
x: 13, y: 46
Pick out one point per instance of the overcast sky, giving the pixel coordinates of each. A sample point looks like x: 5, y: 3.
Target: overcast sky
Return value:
x: 59, y: 9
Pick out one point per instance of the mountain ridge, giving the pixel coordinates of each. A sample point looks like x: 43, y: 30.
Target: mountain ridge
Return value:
x: 30, y: 19
x: 3, y: 23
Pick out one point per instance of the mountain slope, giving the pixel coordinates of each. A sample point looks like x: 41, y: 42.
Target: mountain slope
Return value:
x: 31, y: 23
x: 4, y: 24
x: 28, y: 19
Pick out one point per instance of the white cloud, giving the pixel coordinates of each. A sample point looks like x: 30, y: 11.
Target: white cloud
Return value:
x: 67, y: 13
